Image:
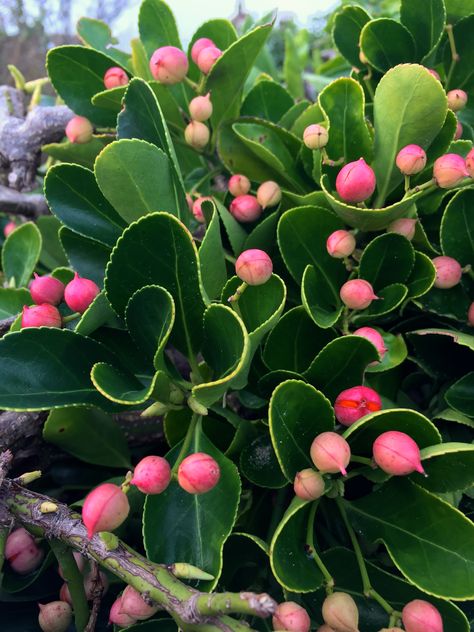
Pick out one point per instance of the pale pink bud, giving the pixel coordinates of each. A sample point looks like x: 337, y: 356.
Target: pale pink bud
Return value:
x: 268, y: 194
x: 448, y: 272
x: 238, y: 185
x: 104, y: 509
x: 46, y: 289
x: 152, y: 475
x: 200, y: 108
x: 470, y: 315
x: 197, y: 209
x: 396, y: 453
x: 340, y: 244
x: 79, y: 130
x: 115, y: 77
x: 207, y: 58
x: 355, y: 182
x: 339, y: 611
x: 354, y: 403
x: 197, y: 134
x: 198, y: 473
x: 199, y: 45
x: 315, y: 136
x: 308, y: 484
x: 357, y: 294
x: 118, y: 617
x: 373, y: 336
x: 245, y: 208
x: 291, y: 616
x: 449, y: 170
x: 325, y: 628
x: 434, y: 73
x: 411, y: 160
x: 9, y: 228
x: 169, y: 65
x: 470, y: 163
x: 55, y: 616
x: 457, y: 100
x: 44, y: 315
x: 80, y: 293
x: 403, y: 226
x: 80, y: 563
x: 458, y: 132
x: 133, y: 604
x: 421, y: 616
x: 22, y: 552
x: 330, y: 453
x: 254, y: 267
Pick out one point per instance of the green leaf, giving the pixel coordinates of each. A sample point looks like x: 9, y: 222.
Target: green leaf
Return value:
x: 431, y: 543
x: 12, y: 301
x: 49, y: 368
x: 460, y: 77
x: 422, y: 276
x: 227, y: 76
x: 83, y: 154
x: 348, y: 24
x: 110, y: 99
x: 341, y: 364
x: 259, y: 464
x: 97, y: 314
x: 267, y: 100
x: 389, y: 299
x: 74, y: 197
x: 88, y: 434
x: 52, y: 254
x: 388, y: 259
x: 221, y: 32
x: 77, y: 74
x: 234, y: 230
x: 297, y: 413
x: 97, y: 34
x: 191, y: 527
x: 449, y: 467
x: 87, y: 256
x: 319, y: 298
x: 460, y: 395
x: 425, y: 22
x: 212, y: 259
x: 457, y: 228
x: 157, y: 26
x: 20, y: 253
x: 263, y: 236
x: 163, y: 253
x: 386, y: 43
x: 396, y: 353
x: 452, y: 303
x: 409, y: 107
x: 121, y: 386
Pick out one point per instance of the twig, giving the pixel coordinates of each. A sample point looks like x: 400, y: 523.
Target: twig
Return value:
x: 6, y: 323
x: 97, y: 592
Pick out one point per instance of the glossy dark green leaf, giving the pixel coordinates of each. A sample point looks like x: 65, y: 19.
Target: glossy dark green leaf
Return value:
x: 425, y: 21
x: 348, y: 25
x: 443, y: 352
x: 211, y: 258
x: 319, y: 299
x: 157, y: 26
x: 20, y: 253
x: 87, y: 256
x: 267, y: 100
x: 81, y: 154
x: 259, y: 464
x: 235, y: 231
x: 460, y: 395
x: 121, y: 386
x: 396, y: 353
x: 52, y: 253
x: 457, y: 228
x: 422, y: 276
x: 386, y: 43
x: 297, y: 414
x: 89, y: 434
x: 449, y: 467
x: 388, y: 259
x: 12, y: 301
x: 110, y: 99
x: 390, y: 298
x: 98, y: 313
x: 452, y: 303
x: 263, y: 236
x: 289, y: 119
x: 97, y: 34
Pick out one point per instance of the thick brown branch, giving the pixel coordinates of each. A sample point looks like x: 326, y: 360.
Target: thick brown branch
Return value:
x: 15, y: 203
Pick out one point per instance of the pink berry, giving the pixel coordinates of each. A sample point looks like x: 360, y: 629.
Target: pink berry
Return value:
x: 207, y: 58
x: 22, y: 552
x: 79, y: 130
x: 55, y: 616
x: 198, y: 46
x: 308, y: 484
x: 315, y: 136
x: 198, y: 473
x: 330, y: 453
x: 200, y: 108
x: 340, y: 244
x: 89, y: 587
x: 291, y: 616
x: 152, y: 475
x: 9, y: 228
x: 104, y: 509
x: 411, y: 160
x: 238, y: 185
x: 197, y: 135
x: 434, y: 73
x: 197, y: 210
x: 115, y: 77
x: 458, y: 132
x: 80, y: 563
x: 354, y: 403
x: 169, y: 65
x: 339, y: 611
x: 470, y: 163
x: 254, y: 267
x: 470, y: 315
x: 46, y: 289
x: 357, y: 294
x: 449, y: 170
x: 457, y: 100
x: 44, y: 315
x: 80, y: 293
x: 355, y: 182
x: 245, y: 208
x: 403, y: 226
x: 133, y: 604
x: 448, y: 272
x: 118, y: 617
x: 421, y: 616
x: 396, y: 453
x: 268, y: 194
x: 373, y: 336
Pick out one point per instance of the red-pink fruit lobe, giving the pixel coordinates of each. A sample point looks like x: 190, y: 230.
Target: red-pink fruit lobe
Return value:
x: 421, y: 616
x: 197, y: 208
x: 207, y: 58
x: 22, y: 552
x: 199, y: 45
x: 46, y: 289
x: 448, y: 272
x: 411, y: 159
x: 470, y: 163
x: 198, y: 473
x: 340, y: 244
x: 403, y: 226
x: 373, y: 336
x: 152, y: 475
x: 169, y: 65
x: 254, y: 266
x: 9, y: 228
x: 104, y: 509
x: 340, y: 611
x: 291, y: 616
x: 396, y: 453
x: 79, y: 130
x: 308, y: 484
x: 44, y: 315
x: 245, y: 208
x: 355, y: 182
x: 238, y: 185
x: 80, y: 293
x: 115, y: 77
x: 118, y: 617
x: 354, y: 403
x: 330, y: 453
x: 449, y: 170
x: 133, y: 604
x: 357, y: 294
x: 457, y: 100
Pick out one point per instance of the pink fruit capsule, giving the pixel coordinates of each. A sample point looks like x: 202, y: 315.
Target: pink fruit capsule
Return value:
x: 396, y: 453
x: 115, y: 77
x: 133, y: 604
x: 207, y: 58
x: 268, y: 194
x: 22, y: 552
x: 354, y: 403
x: 457, y: 100
x: 104, y: 509
x: 373, y: 336
x: 458, y: 132
x: 404, y: 226
x: 245, y: 208
x: 55, y: 616
x: 80, y: 293
x: 79, y: 130
x: 198, y: 473
x: 421, y: 616
x: 315, y: 136
x: 340, y: 244
x: 470, y: 163
x: 9, y: 228
x: 200, y: 108
x: 470, y: 315
x: 118, y: 617
x: 44, y: 315
x: 448, y: 272
x: 197, y: 208
x: 308, y: 484
x: 199, y: 45
x: 330, y: 453
x: 411, y: 160
x: 291, y: 616
x: 238, y: 185
x: 46, y: 289
x: 169, y: 65
x: 197, y: 134
x: 254, y: 267
x: 357, y: 294
x: 449, y: 170
x: 340, y: 611
x: 152, y: 475
x: 355, y: 182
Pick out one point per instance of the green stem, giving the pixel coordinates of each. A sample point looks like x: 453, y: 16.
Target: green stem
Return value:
x: 367, y: 81
x: 277, y: 511
x: 345, y: 321
x: 428, y: 186
x: 407, y: 183
x: 312, y: 550
x: 187, y: 441
x: 68, y: 319
x: 454, y: 53
x: 75, y: 581
x: 362, y: 459
x: 192, y: 84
